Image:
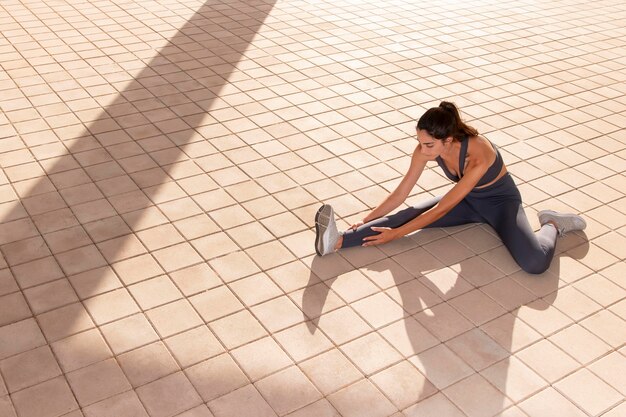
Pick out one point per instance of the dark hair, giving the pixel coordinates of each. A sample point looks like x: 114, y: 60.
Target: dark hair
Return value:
x: 445, y: 121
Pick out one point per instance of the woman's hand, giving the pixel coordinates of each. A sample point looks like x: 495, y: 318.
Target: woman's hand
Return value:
x: 357, y: 225
x: 386, y: 234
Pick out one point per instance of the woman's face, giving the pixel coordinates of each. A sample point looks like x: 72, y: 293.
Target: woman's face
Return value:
x: 431, y: 147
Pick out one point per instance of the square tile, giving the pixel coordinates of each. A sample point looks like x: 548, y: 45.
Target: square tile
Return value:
x: 80, y: 260
x: 159, y: 237
x: 168, y: 396
x: 403, y: 384
x: 408, y: 336
x: 610, y: 368
x: 65, y: 321
x: 137, y: 269
x: 414, y: 296
x: 126, y: 403
x: 343, y: 325
x: 196, y: 226
x: 589, y: 392
x: 278, y: 313
x: 37, y: 272
x: 177, y: 257
x: 50, y: 296
x: 301, y: 392
x: 154, y: 292
x: 195, y: 279
x: 48, y: 399
x: 510, y: 333
x: 129, y: 333
x: 147, y: 364
x: 216, y: 303
x: 29, y: 368
x: 441, y: 366
x: 214, y: 245
x: 600, y: 289
x: 543, y: 317
x: 25, y: 250
x: 443, y: 321
x: 352, y: 286
x: 379, y: 310
x: 111, y: 306
x: 477, y: 349
x: 552, y: 402
x: 476, y: 397
x: 330, y: 371
x: 361, y: 400
x: 508, y: 293
x: 174, y: 318
x: 316, y: 299
x: 371, y: 353
x: 274, y: 358
x: 580, y: 343
x: 270, y: 255
x: 96, y: 281
x: 194, y: 346
x: 245, y: 401
x: 121, y: 248
x: 477, y: 307
x: 216, y: 377
x: 20, y: 337
x: 234, y: 266
x: 237, y: 329
x: 13, y: 308
x: 303, y: 341
x: 514, y: 379
x: 436, y: 405
x: 608, y: 326
x: 250, y: 235
x: 255, y: 289
x: 81, y: 350
x: 321, y: 408
x: 199, y: 411
x: 97, y: 382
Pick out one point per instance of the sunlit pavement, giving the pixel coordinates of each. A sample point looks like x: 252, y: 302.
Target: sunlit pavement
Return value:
x: 162, y: 162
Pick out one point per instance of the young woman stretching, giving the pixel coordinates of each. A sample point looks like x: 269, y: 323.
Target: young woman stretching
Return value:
x: 484, y: 193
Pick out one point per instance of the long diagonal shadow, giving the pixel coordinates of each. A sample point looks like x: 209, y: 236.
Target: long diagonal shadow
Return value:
x: 122, y: 166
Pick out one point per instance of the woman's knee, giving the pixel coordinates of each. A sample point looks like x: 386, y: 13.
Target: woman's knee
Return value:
x: 534, y: 264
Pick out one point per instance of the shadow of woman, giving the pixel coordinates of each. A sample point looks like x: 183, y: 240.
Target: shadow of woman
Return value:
x: 461, y: 323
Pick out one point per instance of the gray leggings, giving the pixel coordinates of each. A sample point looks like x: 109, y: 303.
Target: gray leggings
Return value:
x: 499, y: 205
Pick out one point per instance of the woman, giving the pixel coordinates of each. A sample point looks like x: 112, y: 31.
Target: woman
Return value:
x: 484, y: 193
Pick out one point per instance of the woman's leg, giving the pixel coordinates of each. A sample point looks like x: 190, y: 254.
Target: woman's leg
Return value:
x: 532, y: 251
x: 461, y: 214
x: 502, y: 209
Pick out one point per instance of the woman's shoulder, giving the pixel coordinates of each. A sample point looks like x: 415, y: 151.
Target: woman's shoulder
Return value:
x: 480, y: 143
x: 480, y: 148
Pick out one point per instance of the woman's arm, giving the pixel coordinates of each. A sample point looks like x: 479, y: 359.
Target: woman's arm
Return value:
x: 397, y: 196
x: 474, y: 171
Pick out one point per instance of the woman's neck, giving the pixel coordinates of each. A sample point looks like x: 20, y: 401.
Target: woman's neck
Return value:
x: 451, y: 153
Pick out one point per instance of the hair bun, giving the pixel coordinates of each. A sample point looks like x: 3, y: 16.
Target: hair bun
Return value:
x: 447, y: 106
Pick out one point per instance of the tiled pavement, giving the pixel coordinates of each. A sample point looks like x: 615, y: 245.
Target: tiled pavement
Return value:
x: 162, y: 162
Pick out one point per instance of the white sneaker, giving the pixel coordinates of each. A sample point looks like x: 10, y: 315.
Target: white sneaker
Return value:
x: 565, y: 222
x: 326, y: 233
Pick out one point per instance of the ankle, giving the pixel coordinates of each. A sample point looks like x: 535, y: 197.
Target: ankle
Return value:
x: 551, y: 223
x: 339, y: 242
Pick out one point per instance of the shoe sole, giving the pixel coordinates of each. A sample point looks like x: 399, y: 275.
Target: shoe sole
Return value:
x: 321, y: 225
